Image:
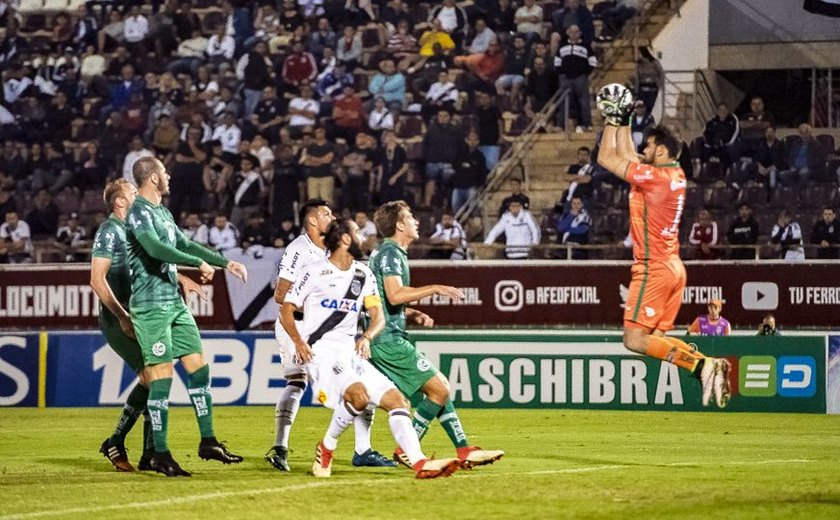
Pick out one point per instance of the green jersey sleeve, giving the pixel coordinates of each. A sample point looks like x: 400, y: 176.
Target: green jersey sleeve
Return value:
x: 388, y: 263
x: 191, y: 248
x: 107, y: 243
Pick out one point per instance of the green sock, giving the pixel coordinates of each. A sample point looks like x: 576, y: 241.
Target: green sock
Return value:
x: 148, y: 439
x: 424, y: 414
x: 198, y: 386
x: 134, y: 406
x: 452, y: 424
x: 158, y: 406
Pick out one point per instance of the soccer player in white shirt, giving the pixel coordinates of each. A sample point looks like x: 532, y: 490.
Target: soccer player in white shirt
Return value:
x: 332, y: 293
x: 308, y: 248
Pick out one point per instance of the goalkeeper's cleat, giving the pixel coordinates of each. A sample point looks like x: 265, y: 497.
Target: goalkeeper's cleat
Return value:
x: 472, y: 456
x: 434, y: 468
x: 372, y: 458
x: 145, y: 462
x: 278, y: 457
x: 322, y: 467
x: 164, y: 463
x: 210, y: 448
x: 117, y: 455
x: 721, y: 388
x: 707, y: 379
x: 402, y: 458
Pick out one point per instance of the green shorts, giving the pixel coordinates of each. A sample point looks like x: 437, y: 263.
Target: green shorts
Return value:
x: 128, y: 349
x: 403, y: 364
x: 165, y: 332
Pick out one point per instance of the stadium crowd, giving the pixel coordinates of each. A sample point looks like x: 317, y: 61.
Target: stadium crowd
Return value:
x: 256, y: 106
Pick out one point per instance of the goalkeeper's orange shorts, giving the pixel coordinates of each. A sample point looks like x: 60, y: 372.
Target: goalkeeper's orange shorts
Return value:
x: 655, y: 294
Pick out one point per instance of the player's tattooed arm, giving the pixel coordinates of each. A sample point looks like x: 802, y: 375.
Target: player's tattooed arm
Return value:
x: 281, y: 289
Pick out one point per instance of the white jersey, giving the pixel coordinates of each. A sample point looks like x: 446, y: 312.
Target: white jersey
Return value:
x: 301, y: 252
x: 332, y: 299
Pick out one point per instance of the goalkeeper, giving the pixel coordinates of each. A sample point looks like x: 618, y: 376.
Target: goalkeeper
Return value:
x: 164, y: 327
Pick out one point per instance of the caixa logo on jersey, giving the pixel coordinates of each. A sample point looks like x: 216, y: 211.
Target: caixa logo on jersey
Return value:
x: 340, y: 305
x: 787, y: 376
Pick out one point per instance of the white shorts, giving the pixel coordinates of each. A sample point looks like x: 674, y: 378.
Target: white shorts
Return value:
x: 287, y: 352
x: 335, y: 366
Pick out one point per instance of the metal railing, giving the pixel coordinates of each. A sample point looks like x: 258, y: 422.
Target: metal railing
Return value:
x: 513, y: 157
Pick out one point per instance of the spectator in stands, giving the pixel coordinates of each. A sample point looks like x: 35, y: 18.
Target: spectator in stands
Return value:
x: 520, y: 229
x: 806, y: 159
x: 435, y: 37
x: 516, y: 195
x: 391, y: 170
x: 441, y: 145
x: 71, y: 237
x: 223, y: 235
x: 248, y: 189
x: 573, y: 12
x: 573, y: 227
x: 229, y: 134
x: 194, y: 229
x: 428, y: 68
x: 85, y: 29
x: 574, y: 62
x: 482, y: 37
x: 286, y: 233
x: 403, y: 46
x: 640, y: 121
x: 187, y: 23
x: 303, y: 111
x: 581, y: 174
x: 122, y: 90
x: 43, y: 219
x: 59, y: 118
x: 7, y: 202
x: 743, y: 231
x: 442, y: 95
x: 389, y: 84
x: 220, y: 49
x: 367, y: 229
x: 166, y: 136
x: 704, y: 235
x: 318, y: 158
x: 711, y: 324
x: 753, y: 124
x: 137, y: 150
x: 513, y: 75
x: 15, y: 240
x: 786, y: 238
x: 449, y: 241
x: 484, y: 69
x: 349, y: 48
x: 452, y: 19
x: 348, y: 117
x: 190, y: 53
x: 356, y: 169
x: 321, y: 39
x: 614, y: 16
x: 649, y: 77
x: 380, y: 118
x: 59, y: 173
x: 284, y: 185
x: 216, y: 176
x: 502, y: 17
x: 826, y: 235
x: 719, y: 135
x: 267, y: 26
x: 540, y: 86
x: 768, y: 326
x: 265, y: 156
x: 331, y: 84
x: 185, y: 185
x: 299, y: 68
x: 135, y: 31
x: 270, y: 113
x: 528, y: 19
x: 91, y: 167
x: 470, y: 172
x: 256, y: 72
x: 770, y: 160
x: 255, y: 236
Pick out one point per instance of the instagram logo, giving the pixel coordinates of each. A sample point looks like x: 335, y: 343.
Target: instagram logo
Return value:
x: 508, y: 295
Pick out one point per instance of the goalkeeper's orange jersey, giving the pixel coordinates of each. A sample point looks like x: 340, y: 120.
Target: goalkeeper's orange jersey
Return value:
x: 657, y: 201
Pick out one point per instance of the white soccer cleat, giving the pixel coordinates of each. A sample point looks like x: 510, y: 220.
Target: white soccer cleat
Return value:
x: 322, y: 467
x: 434, y: 468
x: 721, y: 389
x: 707, y: 379
x: 472, y: 456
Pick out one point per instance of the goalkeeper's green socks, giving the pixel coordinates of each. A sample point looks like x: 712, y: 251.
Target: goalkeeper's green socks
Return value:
x: 158, y: 406
x: 198, y: 386
x: 452, y: 425
x: 134, y: 406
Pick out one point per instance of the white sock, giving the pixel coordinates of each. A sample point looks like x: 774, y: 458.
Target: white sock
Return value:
x: 399, y: 419
x: 343, y: 415
x: 363, y: 424
x: 285, y: 413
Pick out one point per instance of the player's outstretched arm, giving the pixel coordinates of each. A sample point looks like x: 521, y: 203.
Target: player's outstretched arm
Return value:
x: 398, y: 294
x: 419, y: 317
x: 99, y: 267
x: 211, y: 257
x: 189, y: 286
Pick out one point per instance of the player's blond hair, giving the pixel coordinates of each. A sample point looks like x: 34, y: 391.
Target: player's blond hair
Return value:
x: 387, y: 217
x: 113, y: 190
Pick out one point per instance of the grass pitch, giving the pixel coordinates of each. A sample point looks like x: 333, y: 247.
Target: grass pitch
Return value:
x: 559, y: 464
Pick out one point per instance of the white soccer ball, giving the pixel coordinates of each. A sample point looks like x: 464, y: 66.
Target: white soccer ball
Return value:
x: 614, y: 100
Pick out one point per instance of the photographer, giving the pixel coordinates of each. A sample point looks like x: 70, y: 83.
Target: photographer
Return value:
x: 768, y: 326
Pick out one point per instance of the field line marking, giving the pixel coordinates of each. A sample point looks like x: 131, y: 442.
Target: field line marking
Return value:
x: 332, y: 483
